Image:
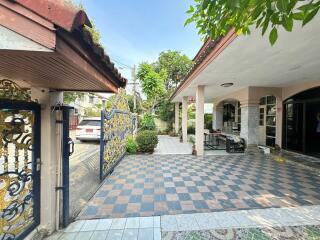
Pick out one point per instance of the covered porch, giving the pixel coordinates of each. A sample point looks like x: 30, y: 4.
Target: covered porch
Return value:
x: 256, y: 89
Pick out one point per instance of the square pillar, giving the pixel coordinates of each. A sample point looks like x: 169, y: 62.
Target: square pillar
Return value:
x: 250, y: 123
x: 185, y: 119
x: 200, y: 120
x: 48, y: 156
x: 176, y: 117
x: 217, y: 118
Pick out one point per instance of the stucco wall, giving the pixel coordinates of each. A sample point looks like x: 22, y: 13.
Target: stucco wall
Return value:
x: 294, y: 89
x: 252, y: 95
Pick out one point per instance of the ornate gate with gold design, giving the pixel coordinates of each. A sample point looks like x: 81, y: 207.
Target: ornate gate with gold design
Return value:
x: 19, y: 162
x: 116, y: 125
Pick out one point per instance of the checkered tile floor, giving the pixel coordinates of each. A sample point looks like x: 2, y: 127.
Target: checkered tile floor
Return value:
x: 150, y: 185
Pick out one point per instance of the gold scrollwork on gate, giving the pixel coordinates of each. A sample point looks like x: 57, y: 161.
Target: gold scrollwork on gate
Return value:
x: 11, y: 91
x: 16, y: 173
x: 118, y: 125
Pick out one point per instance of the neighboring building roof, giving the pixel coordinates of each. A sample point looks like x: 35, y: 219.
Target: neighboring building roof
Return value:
x: 68, y: 18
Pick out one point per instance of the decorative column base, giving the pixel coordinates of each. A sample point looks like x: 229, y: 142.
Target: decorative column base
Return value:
x: 250, y: 124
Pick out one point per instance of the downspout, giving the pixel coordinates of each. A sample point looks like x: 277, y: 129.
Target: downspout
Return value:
x: 59, y: 139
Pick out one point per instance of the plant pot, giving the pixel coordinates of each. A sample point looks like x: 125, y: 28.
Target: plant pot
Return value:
x: 194, y: 151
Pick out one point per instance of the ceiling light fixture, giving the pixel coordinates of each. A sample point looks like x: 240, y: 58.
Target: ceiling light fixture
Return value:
x: 226, y: 84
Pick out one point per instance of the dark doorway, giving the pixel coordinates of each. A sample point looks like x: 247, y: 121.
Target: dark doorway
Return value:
x: 301, y: 125
x: 313, y: 128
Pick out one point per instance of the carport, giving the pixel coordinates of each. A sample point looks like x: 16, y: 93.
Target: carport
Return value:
x: 45, y: 49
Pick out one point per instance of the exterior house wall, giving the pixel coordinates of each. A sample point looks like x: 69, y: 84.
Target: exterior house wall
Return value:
x: 252, y: 95
x: 294, y: 89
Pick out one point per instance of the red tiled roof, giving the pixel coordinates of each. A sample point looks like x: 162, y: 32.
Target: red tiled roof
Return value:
x: 59, y: 12
x: 64, y: 15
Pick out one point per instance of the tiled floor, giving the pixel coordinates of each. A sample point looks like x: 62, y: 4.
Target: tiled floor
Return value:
x: 251, y: 224
x: 153, y: 185
x: 172, y: 145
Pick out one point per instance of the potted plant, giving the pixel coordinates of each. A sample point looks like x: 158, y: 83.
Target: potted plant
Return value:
x: 194, y: 151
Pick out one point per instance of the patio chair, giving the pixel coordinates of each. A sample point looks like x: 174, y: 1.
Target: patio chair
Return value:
x: 235, y: 145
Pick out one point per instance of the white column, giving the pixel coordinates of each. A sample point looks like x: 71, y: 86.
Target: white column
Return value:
x: 250, y: 123
x: 48, y: 156
x: 217, y: 118
x: 199, y: 120
x: 184, y: 123
x: 176, y: 117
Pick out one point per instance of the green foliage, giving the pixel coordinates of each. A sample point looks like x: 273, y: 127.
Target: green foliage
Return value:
x: 165, y: 110
x: 191, y: 112
x: 95, y: 33
x: 215, y: 18
x: 159, y: 79
x: 139, y: 107
x: 147, y: 141
x: 152, y: 82
x: 70, y: 97
x: 132, y: 146
x: 92, y: 112
x: 191, y: 130
x: 208, y: 121
x: 147, y: 122
x: 176, y: 65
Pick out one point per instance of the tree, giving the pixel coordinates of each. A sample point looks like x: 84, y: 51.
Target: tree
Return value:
x: 152, y: 83
x: 215, y: 18
x: 70, y: 97
x: 175, y: 64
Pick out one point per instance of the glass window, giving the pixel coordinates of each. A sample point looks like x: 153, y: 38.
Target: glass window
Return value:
x: 271, y: 110
x: 263, y: 101
x: 271, y: 100
x: 90, y: 123
x: 271, y: 121
x: 270, y: 131
x: 270, y: 141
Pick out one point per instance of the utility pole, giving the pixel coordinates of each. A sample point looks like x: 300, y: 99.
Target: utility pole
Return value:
x: 134, y: 88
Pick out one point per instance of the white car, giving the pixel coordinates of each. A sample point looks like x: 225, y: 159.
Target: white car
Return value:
x: 89, y: 129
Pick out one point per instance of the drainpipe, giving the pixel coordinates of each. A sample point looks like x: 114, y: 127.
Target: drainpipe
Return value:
x: 59, y: 132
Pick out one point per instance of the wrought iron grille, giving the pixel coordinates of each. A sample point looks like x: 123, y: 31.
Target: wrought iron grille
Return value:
x: 116, y: 125
x: 19, y: 148
x: 16, y: 172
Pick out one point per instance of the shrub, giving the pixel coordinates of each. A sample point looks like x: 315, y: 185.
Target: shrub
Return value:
x: 208, y: 121
x: 147, y: 140
x: 191, y: 130
x: 147, y: 122
x: 132, y: 146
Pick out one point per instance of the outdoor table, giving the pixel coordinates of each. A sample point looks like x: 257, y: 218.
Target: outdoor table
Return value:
x: 213, y: 140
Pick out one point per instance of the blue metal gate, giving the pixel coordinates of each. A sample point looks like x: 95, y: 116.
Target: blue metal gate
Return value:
x: 19, y: 167
x: 116, y: 125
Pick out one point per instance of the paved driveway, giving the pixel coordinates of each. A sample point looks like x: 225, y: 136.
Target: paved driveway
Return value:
x: 148, y: 185
x: 84, y: 174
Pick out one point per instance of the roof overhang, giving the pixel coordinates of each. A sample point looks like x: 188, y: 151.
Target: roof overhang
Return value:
x: 45, y: 55
x: 251, y: 61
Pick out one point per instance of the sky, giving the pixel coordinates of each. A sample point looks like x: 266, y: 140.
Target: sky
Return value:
x: 134, y: 31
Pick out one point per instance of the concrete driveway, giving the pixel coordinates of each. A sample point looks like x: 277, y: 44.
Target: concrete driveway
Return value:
x: 84, y: 174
